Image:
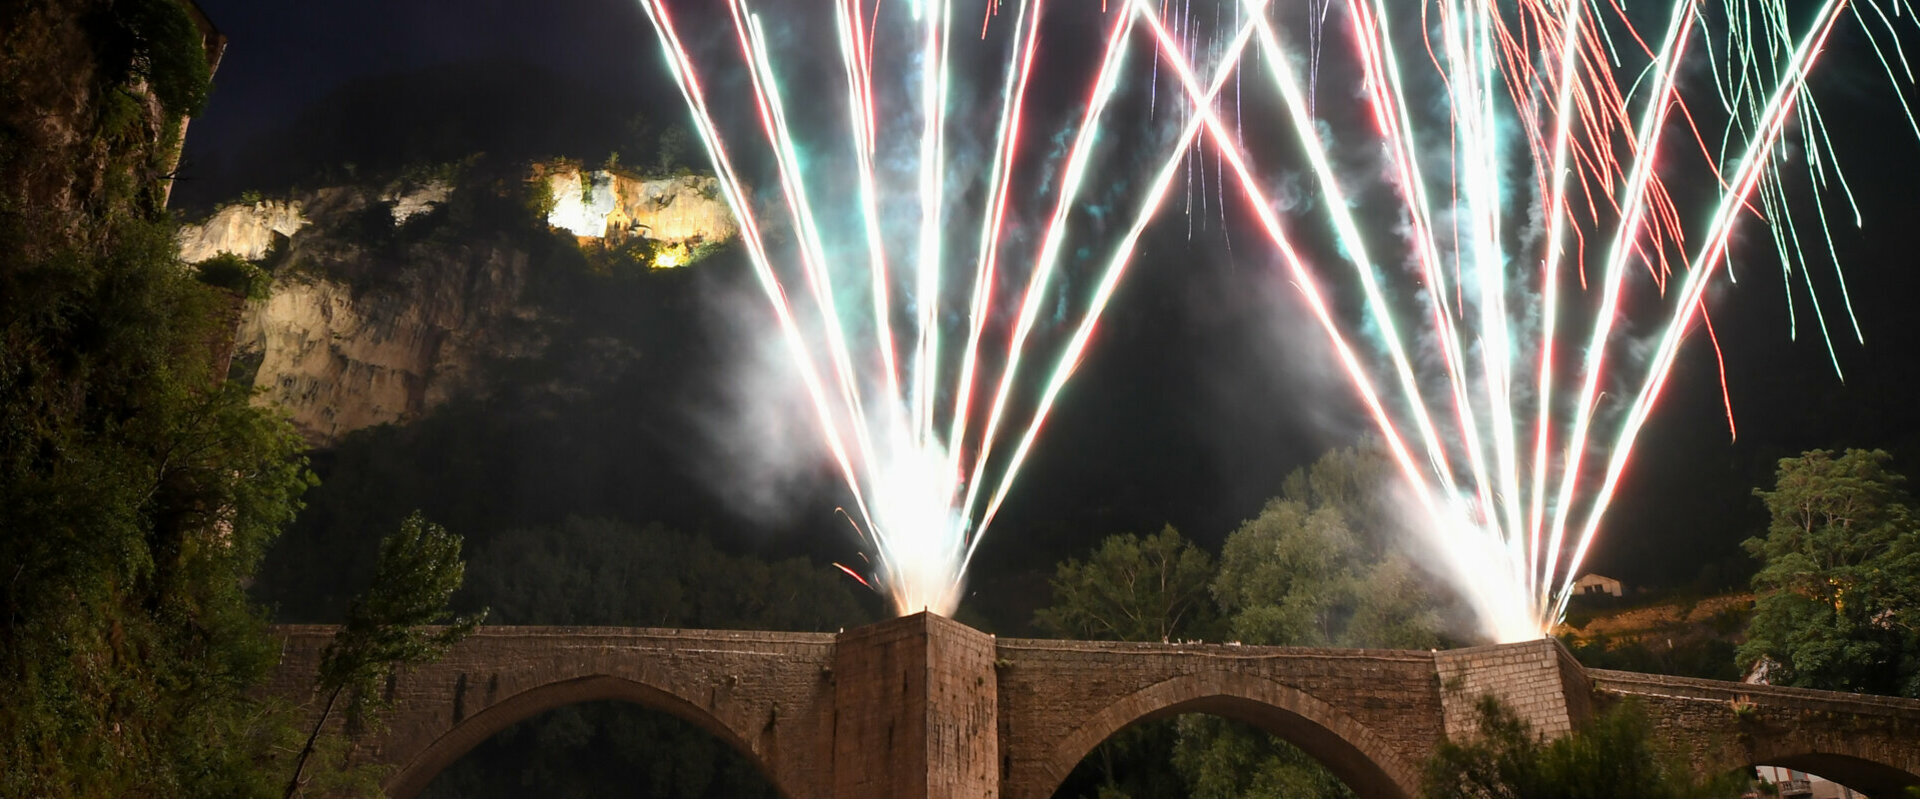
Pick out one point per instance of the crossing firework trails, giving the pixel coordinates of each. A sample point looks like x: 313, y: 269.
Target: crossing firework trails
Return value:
x: 928, y: 441
x: 1536, y: 165
x: 1535, y: 126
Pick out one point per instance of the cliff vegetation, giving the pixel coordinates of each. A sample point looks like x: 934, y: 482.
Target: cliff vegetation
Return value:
x: 138, y: 489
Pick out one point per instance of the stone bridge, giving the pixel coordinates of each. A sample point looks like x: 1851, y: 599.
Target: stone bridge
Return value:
x: 923, y: 706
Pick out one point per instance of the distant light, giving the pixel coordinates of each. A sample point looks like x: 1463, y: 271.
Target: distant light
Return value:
x: 577, y: 214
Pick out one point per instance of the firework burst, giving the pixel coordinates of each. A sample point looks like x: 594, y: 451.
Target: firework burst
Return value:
x: 1524, y: 186
x: 917, y: 386
x: 1508, y: 326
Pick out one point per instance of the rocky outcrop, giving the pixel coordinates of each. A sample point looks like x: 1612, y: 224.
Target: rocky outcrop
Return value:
x: 678, y: 214
x: 246, y: 230
x: 338, y: 359
x: 409, y: 201
x: 374, y: 320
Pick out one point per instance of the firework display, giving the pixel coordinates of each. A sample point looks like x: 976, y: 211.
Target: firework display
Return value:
x: 1534, y: 166
x: 1506, y: 271
x: 928, y: 436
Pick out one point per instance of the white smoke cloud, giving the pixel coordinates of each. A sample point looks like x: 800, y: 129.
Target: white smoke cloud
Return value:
x: 758, y: 425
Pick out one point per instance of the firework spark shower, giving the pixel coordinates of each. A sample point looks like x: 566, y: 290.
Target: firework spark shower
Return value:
x: 921, y: 300
x: 1517, y: 224
x: 1550, y: 229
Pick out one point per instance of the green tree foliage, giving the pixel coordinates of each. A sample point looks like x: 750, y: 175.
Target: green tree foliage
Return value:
x: 235, y: 274
x: 596, y: 571
x: 1301, y: 576
x: 1224, y: 759
x: 401, y: 619
x: 137, y: 492
x: 1353, y: 481
x: 673, y: 148
x: 1133, y: 589
x: 1839, y: 587
x: 161, y: 46
x: 1315, y: 568
x: 1613, y: 755
x: 1290, y: 575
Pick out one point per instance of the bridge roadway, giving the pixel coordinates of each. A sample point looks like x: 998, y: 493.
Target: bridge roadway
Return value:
x: 922, y: 706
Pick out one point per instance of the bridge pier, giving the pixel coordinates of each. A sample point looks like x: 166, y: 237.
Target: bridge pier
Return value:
x: 1538, y: 680
x: 915, y: 711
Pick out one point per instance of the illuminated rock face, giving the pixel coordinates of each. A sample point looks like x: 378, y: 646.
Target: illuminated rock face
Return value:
x: 380, y: 311
x: 339, y: 359
x: 246, y: 230
x: 677, y: 214
x: 410, y: 201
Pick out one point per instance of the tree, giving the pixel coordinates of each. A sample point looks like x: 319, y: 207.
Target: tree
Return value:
x: 1353, y: 481
x: 1291, y: 575
x: 1613, y: 755
x: 137, y: 493
x: 674, y: 144
x: 1315, y: 568
x: 1302, y: 576
x: 1133, y: 589
x: 401, y: 619
x: 1839, y: 587
x: 137, y: 488
x: 1223, y: 759
x: 163, y: 49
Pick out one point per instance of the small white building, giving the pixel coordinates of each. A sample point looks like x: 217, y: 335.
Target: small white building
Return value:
x: 1591, y: 584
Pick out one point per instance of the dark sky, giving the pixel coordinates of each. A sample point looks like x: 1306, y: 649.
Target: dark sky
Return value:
x: 285, y: 54
x: 1194, y: 402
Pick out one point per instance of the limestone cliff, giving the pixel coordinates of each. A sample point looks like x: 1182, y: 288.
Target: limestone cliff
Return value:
x: 678, y: 213
x: 245, y: 230
x: 388, y: 301
x: 338, y: 359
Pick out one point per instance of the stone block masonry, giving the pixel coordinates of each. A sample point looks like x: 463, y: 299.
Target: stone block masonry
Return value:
x: 914, y: 711
x: 922, y: 706
x: 1538, y: 680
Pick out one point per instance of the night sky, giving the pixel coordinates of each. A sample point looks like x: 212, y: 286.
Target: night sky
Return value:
x: 1196, y: 399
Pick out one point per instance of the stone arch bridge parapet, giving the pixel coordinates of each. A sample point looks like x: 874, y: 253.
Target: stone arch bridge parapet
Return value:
x: 923, y: 706
x: 1868, y: 743
x: 766, y: 694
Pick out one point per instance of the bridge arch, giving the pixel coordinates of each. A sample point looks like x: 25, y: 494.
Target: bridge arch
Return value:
x: 413, y: 776
x: 1855, y: 762
x: 1354, y: 753
x: 1869, y: 777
